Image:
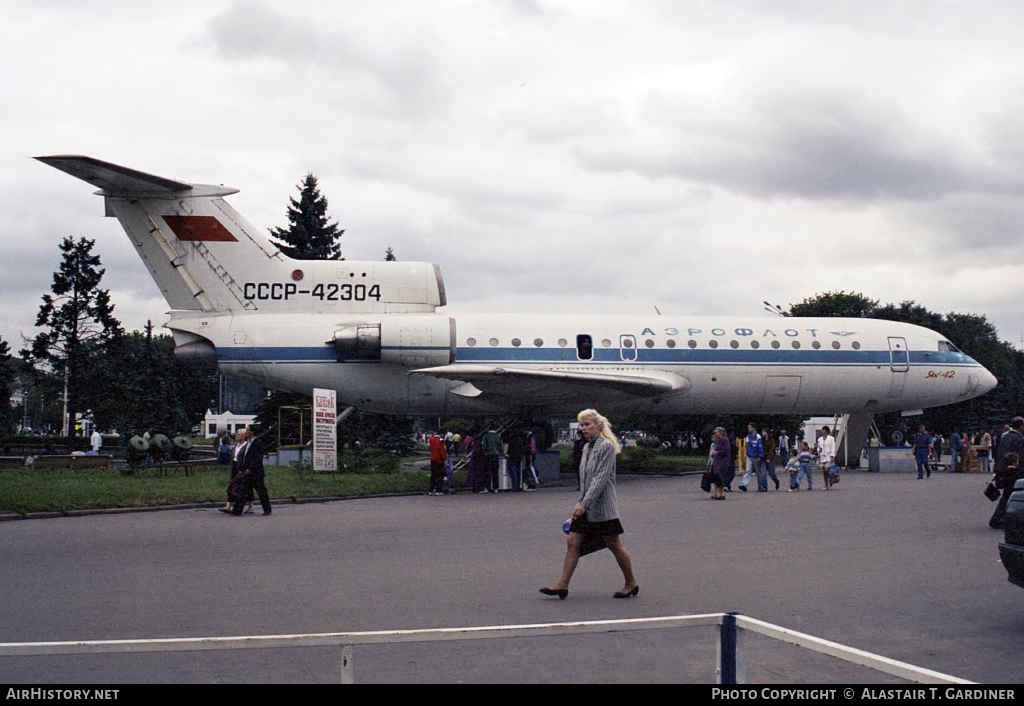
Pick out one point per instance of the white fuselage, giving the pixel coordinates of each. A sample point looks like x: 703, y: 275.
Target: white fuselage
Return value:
x: 729, y: 364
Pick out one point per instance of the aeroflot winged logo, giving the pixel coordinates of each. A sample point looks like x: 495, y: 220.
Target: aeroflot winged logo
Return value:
x: 199, y: 228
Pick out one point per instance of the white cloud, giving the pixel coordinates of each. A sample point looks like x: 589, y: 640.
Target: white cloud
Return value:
x: 696, y: 156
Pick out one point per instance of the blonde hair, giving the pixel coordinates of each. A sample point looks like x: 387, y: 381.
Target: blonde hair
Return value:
x: 602, y: 424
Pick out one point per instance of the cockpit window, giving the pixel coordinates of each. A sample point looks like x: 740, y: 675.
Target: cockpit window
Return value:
x: 947, y: 347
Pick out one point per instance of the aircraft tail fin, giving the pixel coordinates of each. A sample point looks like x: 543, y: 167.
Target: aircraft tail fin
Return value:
x: 181, y: 231
x: 205, y: 257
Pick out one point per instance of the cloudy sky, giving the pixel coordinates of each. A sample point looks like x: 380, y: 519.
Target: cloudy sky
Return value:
x: 699, y: 157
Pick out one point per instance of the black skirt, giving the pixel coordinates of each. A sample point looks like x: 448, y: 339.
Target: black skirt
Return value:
x: 594, y: 533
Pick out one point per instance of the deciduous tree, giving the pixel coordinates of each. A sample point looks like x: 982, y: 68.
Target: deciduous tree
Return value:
x: 835, y: 304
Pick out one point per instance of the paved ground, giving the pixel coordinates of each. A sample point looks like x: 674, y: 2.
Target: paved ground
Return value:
x: 904, y: 568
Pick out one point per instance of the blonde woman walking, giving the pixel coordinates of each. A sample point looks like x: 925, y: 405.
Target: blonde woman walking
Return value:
x: 595, y: 520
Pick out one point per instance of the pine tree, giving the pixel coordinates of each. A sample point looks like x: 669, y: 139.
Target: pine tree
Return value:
x: 310, y: 236
x: 79, y: 318
x: 389, y: 256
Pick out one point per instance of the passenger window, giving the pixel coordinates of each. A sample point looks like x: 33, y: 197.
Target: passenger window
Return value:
x: 584, y: 347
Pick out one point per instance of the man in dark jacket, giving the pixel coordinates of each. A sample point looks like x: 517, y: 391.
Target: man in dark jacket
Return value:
x: 1012, y: 442
x: 922, y: 449
x: 956, y: 447
x: 493, y: 447
x: 514, y: 451
x: 251, y: 474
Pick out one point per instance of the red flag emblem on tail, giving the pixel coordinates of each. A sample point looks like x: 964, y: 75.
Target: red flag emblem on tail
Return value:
x: 204, y: 228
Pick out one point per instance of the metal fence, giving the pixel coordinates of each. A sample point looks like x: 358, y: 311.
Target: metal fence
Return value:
x: 729, y: 662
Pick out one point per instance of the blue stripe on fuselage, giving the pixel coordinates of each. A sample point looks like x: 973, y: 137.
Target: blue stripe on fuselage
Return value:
x: 562, y: 356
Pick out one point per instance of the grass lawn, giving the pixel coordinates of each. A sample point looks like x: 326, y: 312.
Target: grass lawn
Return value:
x: 639, y: 460
x: 24, y: 491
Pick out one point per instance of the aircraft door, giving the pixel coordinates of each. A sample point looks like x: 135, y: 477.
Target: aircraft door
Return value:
x: 899, y: 356
x: 899, y: 363
x: 627, y: 347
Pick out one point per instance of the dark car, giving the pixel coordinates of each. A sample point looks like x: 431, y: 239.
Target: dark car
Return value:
x: 1012, y: 550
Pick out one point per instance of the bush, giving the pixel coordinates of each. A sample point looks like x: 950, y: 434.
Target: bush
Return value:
x: 641, y: 454
x: 369, y: 461
x: 649, y: 442
x: 395, y: 444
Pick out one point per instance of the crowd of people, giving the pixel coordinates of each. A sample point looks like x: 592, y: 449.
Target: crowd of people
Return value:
x: 930, y: 448
x: 760, y: 453
x: 755, y: 457
x: 483, y: 452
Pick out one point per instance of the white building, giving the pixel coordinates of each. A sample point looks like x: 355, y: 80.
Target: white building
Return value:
x: 228, y: 422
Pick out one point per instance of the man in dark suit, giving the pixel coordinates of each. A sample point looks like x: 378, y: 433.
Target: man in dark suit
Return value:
x: 250, y: 474
x: 1012, y: 442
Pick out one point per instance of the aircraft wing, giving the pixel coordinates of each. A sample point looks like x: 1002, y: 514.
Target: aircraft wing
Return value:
x: 547, y: 382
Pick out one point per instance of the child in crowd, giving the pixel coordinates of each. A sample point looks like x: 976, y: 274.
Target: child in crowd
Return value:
x: 793, y: 466
x: 805, y: 457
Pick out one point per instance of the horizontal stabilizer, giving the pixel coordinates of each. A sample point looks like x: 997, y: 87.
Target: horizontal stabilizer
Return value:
x: 112, y: 177
x: 491, y: 377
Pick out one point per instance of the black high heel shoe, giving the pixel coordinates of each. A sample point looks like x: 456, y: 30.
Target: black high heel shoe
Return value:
x: 627, y: 594
x: 560, y: 592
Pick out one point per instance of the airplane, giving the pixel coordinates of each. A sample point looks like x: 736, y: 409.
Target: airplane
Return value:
x: 372, y: 332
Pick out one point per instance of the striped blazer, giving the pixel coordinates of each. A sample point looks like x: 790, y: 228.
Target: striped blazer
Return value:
x: 597, y: 481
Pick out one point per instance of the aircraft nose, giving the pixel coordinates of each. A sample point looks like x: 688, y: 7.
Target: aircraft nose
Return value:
x: 988, y: 381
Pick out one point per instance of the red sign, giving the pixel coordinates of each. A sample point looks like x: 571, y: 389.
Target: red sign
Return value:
x: 199, y: 228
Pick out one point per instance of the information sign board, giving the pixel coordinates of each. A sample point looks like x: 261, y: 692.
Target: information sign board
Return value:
x: 325, y: 430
